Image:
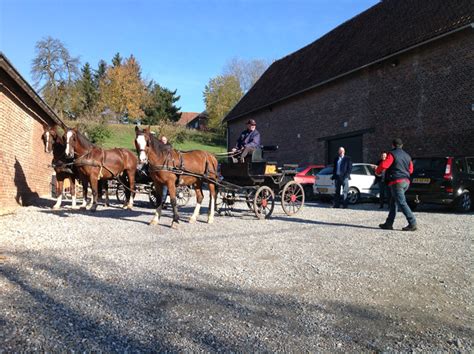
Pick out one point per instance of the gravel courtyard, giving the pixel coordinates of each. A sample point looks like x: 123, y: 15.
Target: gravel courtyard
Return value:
x: 323, y: 279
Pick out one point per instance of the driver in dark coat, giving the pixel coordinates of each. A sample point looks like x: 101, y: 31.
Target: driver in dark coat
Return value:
x: 248, y: 141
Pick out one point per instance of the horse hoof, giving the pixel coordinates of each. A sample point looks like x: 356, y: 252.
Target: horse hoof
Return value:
x: 174, y: 225
x: 210, y: 221
x: 154, y: 222
x: 56, y: 207
x: 192, y: 220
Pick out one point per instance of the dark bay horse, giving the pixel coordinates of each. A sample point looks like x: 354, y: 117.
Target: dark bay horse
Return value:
x: 164, y: 166
x: 101, y: 164
x: 63, y: 166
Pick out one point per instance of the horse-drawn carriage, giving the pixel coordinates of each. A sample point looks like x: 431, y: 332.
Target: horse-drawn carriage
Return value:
x: 258, y: 183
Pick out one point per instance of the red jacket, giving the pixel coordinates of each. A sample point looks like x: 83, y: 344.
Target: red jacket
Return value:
x: 385, y: 164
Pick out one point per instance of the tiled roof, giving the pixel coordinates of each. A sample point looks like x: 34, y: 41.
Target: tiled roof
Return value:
x: 186, y: 117
x: 384, y: 29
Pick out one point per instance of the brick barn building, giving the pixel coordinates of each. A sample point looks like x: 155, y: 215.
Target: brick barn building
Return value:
x: 402, y: 68
x: 25, y: 176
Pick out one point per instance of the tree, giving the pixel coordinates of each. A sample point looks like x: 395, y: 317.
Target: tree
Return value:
x: 88, y: 89
x: 100, y: 73
x: 220, y: 95
x: 247, y: 72
x: 116, y: 60
x: 161, y: 105
x: 122, y: 91
x: 54, y: 71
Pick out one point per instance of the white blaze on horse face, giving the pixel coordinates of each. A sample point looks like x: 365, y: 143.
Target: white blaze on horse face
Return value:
x: 141, y: 142
x: 69, y: 149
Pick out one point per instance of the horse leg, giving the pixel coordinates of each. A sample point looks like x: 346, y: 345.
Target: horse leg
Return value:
x: 212, y: 203
x: 131, y: 184
x: 199, y: 198
x: 59, y: 192
x: 104, y: 188
x: 85, y: 187
x: 72, y: 181
x: 95, y: 192
x: 159, y: 197
x: 174, y: 204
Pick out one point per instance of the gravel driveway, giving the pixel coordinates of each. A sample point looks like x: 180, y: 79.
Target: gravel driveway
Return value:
x: 324, y: 279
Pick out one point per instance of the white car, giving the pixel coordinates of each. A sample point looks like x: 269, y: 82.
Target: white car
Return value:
x: 362, y: 183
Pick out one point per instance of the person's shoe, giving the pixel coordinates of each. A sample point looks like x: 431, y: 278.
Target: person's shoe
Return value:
x: 386, y: 227
x: 409, y: 228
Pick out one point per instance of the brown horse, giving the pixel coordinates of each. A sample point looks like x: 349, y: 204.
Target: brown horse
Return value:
x: 63, y: 166
x: 101, y: 164
x: 165, y: 165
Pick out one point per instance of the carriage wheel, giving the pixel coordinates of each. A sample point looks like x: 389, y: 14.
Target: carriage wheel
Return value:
x: 120, y: 193
x: 292, y: 198
x: 264, y: 202
x: 225, y: 203
x: 183, y: 194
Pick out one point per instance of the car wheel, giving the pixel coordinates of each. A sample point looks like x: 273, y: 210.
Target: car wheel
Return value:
x: 463, y: 203
x: 353, y: 195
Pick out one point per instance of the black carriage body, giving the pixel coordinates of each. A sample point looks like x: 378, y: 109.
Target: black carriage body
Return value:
x: 254, y: 174
x: 258, y: 182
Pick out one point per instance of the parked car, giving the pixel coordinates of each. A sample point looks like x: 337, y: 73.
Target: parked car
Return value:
x: 442, y: 180
x: 362, y: 183
x: 305, y: 177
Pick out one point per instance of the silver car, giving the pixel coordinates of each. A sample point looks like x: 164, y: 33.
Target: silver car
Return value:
x: 362, y: 183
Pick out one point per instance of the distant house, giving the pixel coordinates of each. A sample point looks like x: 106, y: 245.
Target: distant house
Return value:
x: 186, y: 117
x: 194, y: 120
x: 402, y: 68
x: 199, y: 122
x: 26, y: 175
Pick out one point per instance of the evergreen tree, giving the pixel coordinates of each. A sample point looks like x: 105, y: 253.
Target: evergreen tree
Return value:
x: 88, y: 89
x: 161, y: 105
x: 100, y: 73
x: 116, y: 60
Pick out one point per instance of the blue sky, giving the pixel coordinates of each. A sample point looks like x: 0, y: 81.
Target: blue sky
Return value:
x: 180, y: 44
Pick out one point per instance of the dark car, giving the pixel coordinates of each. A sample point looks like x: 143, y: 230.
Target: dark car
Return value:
x: 442, y: 180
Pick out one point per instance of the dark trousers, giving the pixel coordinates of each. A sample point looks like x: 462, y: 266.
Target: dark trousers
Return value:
x: 397, y: 201
x: 384, y: 193
x: 344, y: 184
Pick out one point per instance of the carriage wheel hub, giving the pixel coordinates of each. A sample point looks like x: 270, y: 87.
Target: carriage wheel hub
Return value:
x: 264, y: 203
x: 293, y: 198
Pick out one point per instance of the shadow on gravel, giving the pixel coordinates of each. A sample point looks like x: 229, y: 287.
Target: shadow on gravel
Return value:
x: 59, y: 306
x: 315, y: 222
x: 110, y: 212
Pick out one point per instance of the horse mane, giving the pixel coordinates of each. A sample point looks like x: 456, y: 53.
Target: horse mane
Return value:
x: 158, y: 146
x: 83, y: 140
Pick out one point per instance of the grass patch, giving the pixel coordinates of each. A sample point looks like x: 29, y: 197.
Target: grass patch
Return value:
x: 123, y: 135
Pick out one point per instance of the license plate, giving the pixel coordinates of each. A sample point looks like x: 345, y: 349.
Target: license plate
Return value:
x: 422, y: 180
x: 322, y: 190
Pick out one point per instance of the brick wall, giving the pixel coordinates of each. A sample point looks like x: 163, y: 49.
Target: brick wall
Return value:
x: 25, y: 176
x: 424, y: 97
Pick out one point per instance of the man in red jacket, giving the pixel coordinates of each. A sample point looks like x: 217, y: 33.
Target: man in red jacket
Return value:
x: 398, y: 167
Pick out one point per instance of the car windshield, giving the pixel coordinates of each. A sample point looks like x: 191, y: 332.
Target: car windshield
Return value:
x: 326, y: 171
x: 433, y: 165
x: 300, y: 169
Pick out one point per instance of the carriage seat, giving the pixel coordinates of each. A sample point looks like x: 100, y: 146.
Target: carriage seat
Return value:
x: 257, y: 154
